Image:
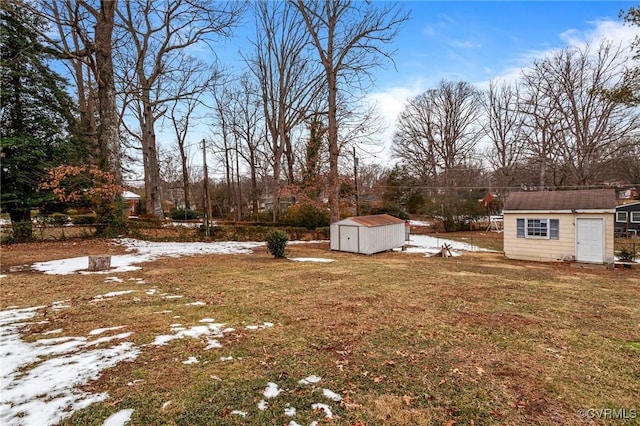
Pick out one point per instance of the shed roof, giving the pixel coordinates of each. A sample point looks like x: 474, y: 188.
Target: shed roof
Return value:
x: 588, y: 199
x: 376, y: 220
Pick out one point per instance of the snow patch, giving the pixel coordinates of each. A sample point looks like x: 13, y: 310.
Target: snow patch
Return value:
x: 323, y: 407
x: 120, y: 418
x: 331, y: 395
x: 310, y: 380
x: 271, y: 390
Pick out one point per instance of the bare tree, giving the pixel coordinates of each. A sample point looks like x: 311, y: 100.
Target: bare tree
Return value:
x: 505, y: 128
x: 439, y: 130
x: 414, y: 139
x: 223, y: 141
x: 85, y: 38
x: 156, y: 36
x: 288, y: 79
x: 349, y: 38
x: 542, y: 131
x: 574, y: 81
x: 248, y: 131
x: 182, y: 114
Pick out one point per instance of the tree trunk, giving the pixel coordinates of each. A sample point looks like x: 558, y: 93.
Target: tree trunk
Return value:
x: 185, y: 177
x: 150, y: 158
x: 334, y: 152
x: 108, y: 136
x: 99, y: 263
x: 254, y: 187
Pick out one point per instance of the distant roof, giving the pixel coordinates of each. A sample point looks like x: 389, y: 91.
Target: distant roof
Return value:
x: 376, y: 220
x: 128, y: 195
x: 630, y: 206
x: 587, y: 199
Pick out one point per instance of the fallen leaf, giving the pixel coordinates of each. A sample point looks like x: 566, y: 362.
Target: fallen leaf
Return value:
x: 379, y: 379
x: 450, y: 423
x: 480, y: 371
x: 407, y: 399
x: 442, y: 381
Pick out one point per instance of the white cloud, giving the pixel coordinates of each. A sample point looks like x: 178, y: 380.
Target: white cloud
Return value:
x: 464, y: 44
x: 603, y: 30
x: 389, y: 103
x: 600, y: 31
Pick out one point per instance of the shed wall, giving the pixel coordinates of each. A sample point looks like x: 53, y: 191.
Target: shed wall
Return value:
x: 547, y: 250
x: 381, y: 238
x: 371, y: 240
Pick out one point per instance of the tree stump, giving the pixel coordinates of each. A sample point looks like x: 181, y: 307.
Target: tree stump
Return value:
x: 99, y: 263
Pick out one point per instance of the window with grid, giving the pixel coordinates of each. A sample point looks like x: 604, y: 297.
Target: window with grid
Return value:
x: 621, y: 216
x: 635, y: 217
x: 538, y: 228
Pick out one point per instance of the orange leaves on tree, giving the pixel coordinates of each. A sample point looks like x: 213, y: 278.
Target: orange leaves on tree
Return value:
x: 73, y: 183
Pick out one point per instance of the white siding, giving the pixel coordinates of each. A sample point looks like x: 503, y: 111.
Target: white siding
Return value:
x: 381, y: 238
x: 374, y: 239
x: 543, y: 249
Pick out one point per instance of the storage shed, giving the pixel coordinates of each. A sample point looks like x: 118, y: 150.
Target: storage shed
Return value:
x: 368, y: 234
x: 560, y: 225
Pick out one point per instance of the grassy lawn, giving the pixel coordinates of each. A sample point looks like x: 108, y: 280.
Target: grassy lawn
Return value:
x: 404, y: 339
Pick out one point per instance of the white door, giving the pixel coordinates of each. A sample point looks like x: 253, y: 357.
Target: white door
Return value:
x: 590, y: 240
x: 348, y: 238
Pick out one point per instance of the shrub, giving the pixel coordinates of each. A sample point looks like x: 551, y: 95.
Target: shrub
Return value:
x: 183, y: 214
x: 84, y: 219
x: 276, y: 243
x: 306, y: 215
x: 626, y: 254
x: 58, y: 219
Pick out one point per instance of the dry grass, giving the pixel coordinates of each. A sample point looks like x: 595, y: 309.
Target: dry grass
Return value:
x: 407, y: 340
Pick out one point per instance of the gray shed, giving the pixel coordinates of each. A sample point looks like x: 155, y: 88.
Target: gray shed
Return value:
x: 368, y: 234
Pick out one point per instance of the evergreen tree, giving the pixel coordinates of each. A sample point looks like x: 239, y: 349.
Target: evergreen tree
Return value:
x: 36, y: 116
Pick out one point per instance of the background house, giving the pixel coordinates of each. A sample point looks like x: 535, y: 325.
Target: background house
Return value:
x: 131, y: 202
x: 560, y: 225
x: 368, y: 234
x: 628, y: 219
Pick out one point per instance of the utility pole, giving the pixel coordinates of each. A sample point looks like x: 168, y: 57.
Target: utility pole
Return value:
x: 355, y: 177
x: 207, y: 201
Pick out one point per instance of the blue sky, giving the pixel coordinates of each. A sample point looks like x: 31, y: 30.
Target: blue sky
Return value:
x: 474, y: 41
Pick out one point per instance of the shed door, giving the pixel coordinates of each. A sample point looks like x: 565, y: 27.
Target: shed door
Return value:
x: 348, y: 238
x: 590, y: 240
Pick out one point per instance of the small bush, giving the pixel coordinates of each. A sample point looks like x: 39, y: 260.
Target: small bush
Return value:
x: 276, y: 243
x: 182, y: 214
x: 84, y: 219
x: 626, y: 254
x: 306, y: 215
x: 58, y: 219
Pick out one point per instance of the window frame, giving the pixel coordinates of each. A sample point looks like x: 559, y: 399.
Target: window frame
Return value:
x: 621, y: 216
x: 542, y: 228
x: 635, y: 217
x: 537, y: 228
